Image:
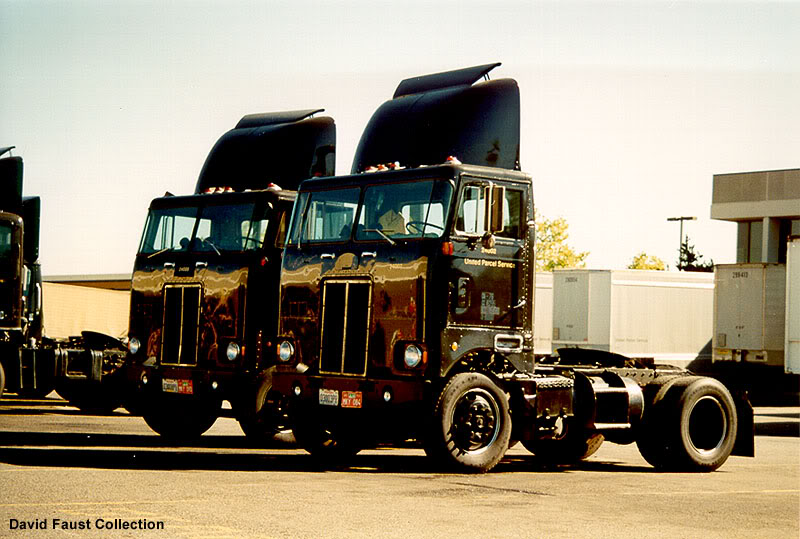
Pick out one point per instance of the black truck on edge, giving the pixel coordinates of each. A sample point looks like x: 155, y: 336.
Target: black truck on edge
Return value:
x: 204, y: 293
x: 84, y: 369
x: 406, y: 307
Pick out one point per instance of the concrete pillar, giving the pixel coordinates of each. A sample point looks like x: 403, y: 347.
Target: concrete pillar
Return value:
x: 770, y: 239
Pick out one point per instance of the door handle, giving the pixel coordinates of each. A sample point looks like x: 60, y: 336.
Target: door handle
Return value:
x: 169, y: 265
x: 200, y: 265
x: 327, y: 255
x: 372, y: 254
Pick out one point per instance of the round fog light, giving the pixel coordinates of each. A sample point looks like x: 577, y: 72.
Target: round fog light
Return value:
x: 133, y: 345
x: 387, y: 395
x: 144, y: 379
x: 297, y: 390
x: 214, y: 385
x: 232, y: 352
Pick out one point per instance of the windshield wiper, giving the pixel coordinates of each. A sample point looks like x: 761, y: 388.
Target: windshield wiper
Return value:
x: 384, y: 236
x: 211, y: 243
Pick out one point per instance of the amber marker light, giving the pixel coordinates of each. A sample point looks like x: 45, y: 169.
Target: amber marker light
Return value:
x: 447, y: 248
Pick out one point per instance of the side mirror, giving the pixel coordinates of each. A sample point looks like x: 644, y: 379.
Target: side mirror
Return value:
x: 495, y: 197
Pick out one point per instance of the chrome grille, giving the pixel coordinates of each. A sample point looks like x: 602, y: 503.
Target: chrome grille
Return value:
x: 180, y: 326
x: 345, y: 327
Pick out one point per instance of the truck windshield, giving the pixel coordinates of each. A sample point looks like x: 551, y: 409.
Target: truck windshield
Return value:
x: 404, y: 210
x: 214, y: 228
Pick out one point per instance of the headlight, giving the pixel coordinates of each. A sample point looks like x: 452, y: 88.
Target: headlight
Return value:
x: 412, y: 356
x: 285, y: 351
x: 233, y: 351
x: 133, y: 345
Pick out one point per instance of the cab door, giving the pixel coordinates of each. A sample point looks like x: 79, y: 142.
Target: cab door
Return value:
x: 488, y: 285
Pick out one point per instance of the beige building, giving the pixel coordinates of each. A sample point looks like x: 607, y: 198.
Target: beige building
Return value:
x: 766, y: 207
x: 76, y: 303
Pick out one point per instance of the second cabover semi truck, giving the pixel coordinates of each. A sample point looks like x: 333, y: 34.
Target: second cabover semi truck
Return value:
x: 407, y: 307
x: 85, y: 369
x: 204, y: 293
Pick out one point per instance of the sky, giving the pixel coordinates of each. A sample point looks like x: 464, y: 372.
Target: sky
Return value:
x: 628, y: 108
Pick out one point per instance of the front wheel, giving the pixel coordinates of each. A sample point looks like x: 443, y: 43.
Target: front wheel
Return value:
x: 325, y: 441
x: 472, y: 425
x: 181, y: 418
x: 259, y: 412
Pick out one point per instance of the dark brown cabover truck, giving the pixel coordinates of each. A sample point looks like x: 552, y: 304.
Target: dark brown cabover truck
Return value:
x: 204, y: 296
x: 406, y: 307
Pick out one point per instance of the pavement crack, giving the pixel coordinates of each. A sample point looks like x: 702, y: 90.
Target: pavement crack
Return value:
x: 501, y: 489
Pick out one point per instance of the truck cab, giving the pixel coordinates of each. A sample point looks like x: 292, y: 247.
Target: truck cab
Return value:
x: 205, y: 280
x: 374, y: 306
x: 407, y: 307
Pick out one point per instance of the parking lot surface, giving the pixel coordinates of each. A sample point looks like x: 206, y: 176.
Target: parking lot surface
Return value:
x: 67, y: 474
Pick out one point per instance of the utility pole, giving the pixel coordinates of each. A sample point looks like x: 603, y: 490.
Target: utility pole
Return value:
x: 680, y: 238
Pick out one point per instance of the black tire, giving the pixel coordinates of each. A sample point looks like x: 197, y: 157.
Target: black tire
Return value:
x: 650, y: 439
x: 326, y: 442
x: 183, y: 418
x: 575, y: 445
x: 472, y: 426
x: 91, y: 397
x: 698, y: 426
x: 259, y: 412
x: 37, y: 393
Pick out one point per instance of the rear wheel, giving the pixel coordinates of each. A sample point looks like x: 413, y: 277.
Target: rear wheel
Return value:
x: 692, y: 426
x: 574, y: 445
x: 181, y: 418
x: 473, y: 424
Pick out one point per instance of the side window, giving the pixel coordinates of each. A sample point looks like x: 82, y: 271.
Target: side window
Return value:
x: 512, y: 214
x: 471, y: 217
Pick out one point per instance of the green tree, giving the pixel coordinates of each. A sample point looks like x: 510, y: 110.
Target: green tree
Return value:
x: 690, y: 260
x: 552, y: 250
x: 643, y: 261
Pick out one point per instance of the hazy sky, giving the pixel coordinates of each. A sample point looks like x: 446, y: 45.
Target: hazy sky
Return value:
x: 628, y: 108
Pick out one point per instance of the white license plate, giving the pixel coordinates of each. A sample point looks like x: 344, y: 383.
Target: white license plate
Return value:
x: 329, y: 397
x: 179, y: 385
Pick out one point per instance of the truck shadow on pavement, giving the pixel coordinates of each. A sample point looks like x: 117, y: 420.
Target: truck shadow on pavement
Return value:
x: 233, y: 453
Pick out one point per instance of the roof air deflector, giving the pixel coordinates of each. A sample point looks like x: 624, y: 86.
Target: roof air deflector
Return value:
x: 447, y: 79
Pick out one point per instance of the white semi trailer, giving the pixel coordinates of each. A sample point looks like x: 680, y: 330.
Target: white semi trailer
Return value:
x: 757, y: 326
x: 543, y: 314
x: 658, y: 315
x: 792, y: 344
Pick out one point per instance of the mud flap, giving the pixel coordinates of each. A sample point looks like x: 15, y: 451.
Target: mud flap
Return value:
x: 745, y: 445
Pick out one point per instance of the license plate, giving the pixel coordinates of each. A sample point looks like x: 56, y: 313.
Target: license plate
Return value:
x: 329, y: 397
x: 351, y: 399
x: 172, y: 385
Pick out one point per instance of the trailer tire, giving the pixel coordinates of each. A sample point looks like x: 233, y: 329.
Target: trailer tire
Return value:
x: 181, y: 418
x: 692, y: 428
x: 473, y: 423
x: 258, y: 414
